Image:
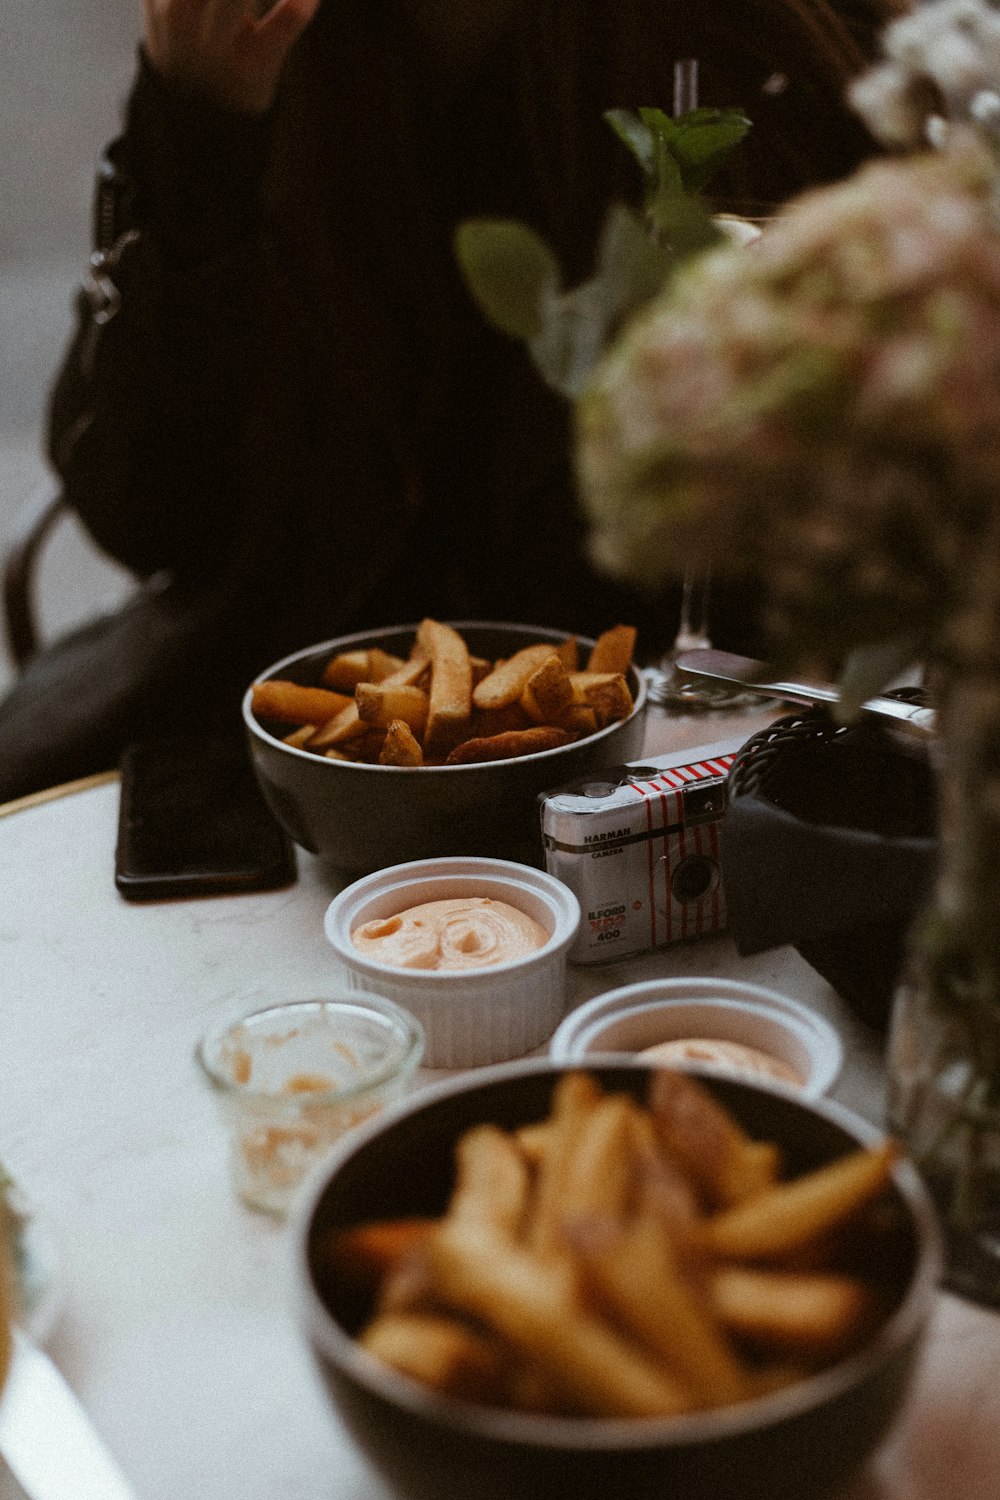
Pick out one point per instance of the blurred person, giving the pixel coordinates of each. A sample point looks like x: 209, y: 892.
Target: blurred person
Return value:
x: 281, y: 407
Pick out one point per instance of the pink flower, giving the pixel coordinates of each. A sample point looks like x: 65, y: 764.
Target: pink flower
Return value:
x: 822, y: 409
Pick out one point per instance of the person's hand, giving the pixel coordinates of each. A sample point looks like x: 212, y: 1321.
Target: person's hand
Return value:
x: 226, y: 49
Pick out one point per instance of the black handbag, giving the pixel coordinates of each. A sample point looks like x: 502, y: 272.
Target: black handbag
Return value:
x: 151, y: 667
x: 830, y: 844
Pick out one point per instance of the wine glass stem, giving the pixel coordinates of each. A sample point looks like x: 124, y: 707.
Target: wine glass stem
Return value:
x: 692, y: 632
x: 685, y: 85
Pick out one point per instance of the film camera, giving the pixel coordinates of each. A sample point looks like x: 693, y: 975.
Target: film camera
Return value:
x: 639, y: 846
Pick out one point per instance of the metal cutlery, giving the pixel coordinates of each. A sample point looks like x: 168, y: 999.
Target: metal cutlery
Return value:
x: 755, y: 677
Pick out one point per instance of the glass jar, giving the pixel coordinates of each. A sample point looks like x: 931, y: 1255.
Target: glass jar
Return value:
x: 292, y: 1079
x: 943, y: 1102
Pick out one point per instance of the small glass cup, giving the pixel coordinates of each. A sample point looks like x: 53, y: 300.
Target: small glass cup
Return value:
x: 291, y: 1079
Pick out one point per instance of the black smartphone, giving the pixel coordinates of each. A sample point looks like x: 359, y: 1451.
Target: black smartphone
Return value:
x: 192, y: 821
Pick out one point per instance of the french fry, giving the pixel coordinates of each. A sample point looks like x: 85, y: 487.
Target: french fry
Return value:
x: 289, y: 701
x: 790, y: 1215
x: 450, y: 697
x: 300, y: 737
x: 814, y: 1317
x: 379, y: 703
x: 382, y: 664
x: 607, y: 693
x: 440, y: 1351
x: 568, y: 652
x: 637, y: 1276
x: 533, y: 1306
x: 662, y: 1187
x: 369, y: 748
x: 375, y: 665
x: 718, y: 1157
x: 600, y: 1169
x: 492, y: 1182
x: 345, y: 726
x: 507, y: 681
x: 547, y: 692
x: 406, y: 1288
x: 345, y: 670
x: 415, y: 671
x: 534, y: 1140
x: 507, y: 746
x: 488, y: 722
x: 574, y: 1099
x: 613, y: 650
x: 400, y: 746
x: 364, y: 1254
x: 577, y: 719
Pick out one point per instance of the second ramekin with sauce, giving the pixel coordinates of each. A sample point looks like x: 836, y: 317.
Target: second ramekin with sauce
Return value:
x: 485, y: 985
x: 709, y: 1024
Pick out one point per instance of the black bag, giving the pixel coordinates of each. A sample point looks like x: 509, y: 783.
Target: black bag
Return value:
x: 830, y: 844
x: 154, y: 666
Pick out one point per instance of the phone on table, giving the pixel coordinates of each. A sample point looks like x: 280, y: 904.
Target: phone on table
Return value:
x: 192, y: 821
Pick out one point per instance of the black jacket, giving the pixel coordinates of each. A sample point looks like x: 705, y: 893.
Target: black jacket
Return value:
x: 277, y: 365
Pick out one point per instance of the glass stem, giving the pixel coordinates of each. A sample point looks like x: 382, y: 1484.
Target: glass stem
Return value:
x: 692, y: 631
x: 685, y: 85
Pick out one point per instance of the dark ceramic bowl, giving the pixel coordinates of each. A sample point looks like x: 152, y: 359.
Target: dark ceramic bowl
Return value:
x: 801, y: 1441
x: 362, y: 817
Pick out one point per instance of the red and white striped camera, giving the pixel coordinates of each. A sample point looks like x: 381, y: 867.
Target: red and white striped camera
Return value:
x: 639, y: 844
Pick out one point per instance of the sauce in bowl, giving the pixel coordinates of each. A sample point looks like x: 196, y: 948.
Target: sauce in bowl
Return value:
x: 464, y: 932
x: 729, y: 1057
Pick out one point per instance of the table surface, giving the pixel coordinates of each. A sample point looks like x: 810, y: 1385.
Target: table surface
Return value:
x: 175, y: 1326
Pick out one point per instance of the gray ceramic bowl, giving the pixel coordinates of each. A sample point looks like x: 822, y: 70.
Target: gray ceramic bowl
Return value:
x: 801, y: 1441
x: 361, y: 817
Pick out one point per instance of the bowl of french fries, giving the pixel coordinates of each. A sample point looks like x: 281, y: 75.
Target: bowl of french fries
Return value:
x: 620, y: 1281
x: 434, y: 739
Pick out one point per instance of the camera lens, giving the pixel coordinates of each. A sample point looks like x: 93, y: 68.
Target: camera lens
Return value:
x: 694, y: 878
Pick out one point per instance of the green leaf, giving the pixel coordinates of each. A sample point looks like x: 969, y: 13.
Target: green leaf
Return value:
x: 631, y: 266
x: 516, y: 279
x: 699, y: 142
x: 579, y: 324
x: 636, y: 136
x: 682, y: 222
x: 510, y: 271
x: 572, y: 339
x: 692, y: 146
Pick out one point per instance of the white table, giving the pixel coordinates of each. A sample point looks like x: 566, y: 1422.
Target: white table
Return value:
x: 175, y: 1327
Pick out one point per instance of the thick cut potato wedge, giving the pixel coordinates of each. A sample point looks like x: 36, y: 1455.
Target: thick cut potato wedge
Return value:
x: 450, y: 696
x: 294, y: 704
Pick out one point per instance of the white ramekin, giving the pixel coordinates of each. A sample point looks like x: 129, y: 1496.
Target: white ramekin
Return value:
x: 470, y: 1016
x: 637, y: 1016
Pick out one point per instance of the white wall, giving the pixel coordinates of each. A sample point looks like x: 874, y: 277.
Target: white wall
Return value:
x: 65, y: 67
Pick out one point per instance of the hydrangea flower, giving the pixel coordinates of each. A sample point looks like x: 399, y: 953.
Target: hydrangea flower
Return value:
x: 820, y: 409
x: 941, y: 62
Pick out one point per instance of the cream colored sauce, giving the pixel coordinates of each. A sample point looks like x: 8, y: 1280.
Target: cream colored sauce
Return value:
x: 464, y: 932
x: 731, y: 1057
